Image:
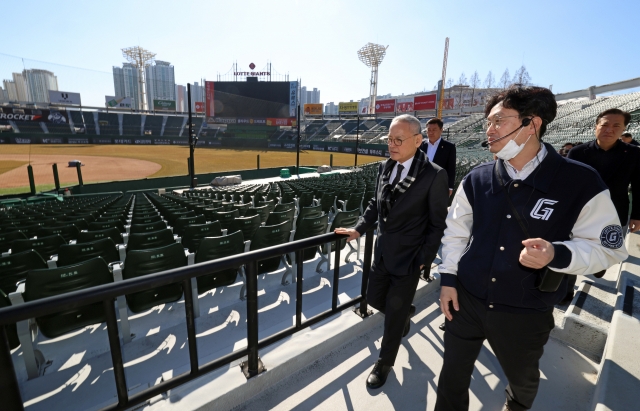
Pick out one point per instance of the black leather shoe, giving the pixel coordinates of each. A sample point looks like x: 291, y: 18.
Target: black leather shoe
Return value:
x: 567, y: 298
x: 407, y: 325
x: 441, y: 326
x: 378, y: 375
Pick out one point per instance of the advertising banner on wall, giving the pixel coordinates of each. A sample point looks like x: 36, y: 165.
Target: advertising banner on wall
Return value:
x: 281, y: 122
x: 427, y: 102
x: 209, y: 111
x: 64, y: 97
x: 447, y: 103
x: 169, y: 105
x: 293, y: 99
x: 26, y: 114
x: 385, y: 106
x: 117, y: 102
x: 313, y: 109
x: 199, y: 106
x: 404, y: 105
x: 348, y: 107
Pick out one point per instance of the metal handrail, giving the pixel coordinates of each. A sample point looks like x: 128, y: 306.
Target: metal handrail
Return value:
x: 108, y: 292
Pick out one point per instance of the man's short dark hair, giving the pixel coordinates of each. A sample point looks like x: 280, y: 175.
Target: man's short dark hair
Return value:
x: 567, y: 144
x: 437, y: 121
x: 626, y: 134
x: 527, y: 101
x: 615, y: 112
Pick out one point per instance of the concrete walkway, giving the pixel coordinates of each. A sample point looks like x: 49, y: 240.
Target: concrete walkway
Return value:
x: 337, y: 381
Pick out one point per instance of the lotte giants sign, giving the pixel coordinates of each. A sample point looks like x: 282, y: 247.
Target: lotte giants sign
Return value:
x: 427, y: 102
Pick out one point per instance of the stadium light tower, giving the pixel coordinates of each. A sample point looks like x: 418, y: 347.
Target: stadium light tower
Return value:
x: 372, y: 55
x: 140, y: 58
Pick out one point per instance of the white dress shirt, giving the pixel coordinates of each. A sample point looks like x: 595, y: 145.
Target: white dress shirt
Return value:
x: 405, y: 170
x: 529, y: 167
x: 432, y: 148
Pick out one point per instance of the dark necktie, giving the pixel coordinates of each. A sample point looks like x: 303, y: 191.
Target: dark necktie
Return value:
x: 396, y: 180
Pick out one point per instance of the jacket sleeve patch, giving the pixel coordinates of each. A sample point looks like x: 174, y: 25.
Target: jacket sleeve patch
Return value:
x: 612, y: 237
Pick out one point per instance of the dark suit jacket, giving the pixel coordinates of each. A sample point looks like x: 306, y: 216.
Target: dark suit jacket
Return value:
x: 445, y: 157
x: 415, y: 225
x: 624, y: 169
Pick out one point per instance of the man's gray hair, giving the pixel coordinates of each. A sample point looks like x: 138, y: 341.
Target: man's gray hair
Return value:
x: 413, y: 122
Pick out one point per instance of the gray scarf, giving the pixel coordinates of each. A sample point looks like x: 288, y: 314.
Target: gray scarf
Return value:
x: 389, y: 195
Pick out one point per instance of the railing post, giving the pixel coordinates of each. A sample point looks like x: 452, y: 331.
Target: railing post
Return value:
x: 32, y: 182
x: 79, y: 170
x: 299, y: 263
x: 191, y: 324
x: 56, y: 178
x: 336, y: 277
x: 9, y: 388
x: 363, y: 310
x: 253, y: 366
x: 116, y: 351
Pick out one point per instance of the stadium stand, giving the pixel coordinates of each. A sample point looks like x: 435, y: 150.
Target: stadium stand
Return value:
x: 131, y: 125
x: 174, y: 126
x: 153, y: 125
x: 89, y: 122
x: 109, y: 124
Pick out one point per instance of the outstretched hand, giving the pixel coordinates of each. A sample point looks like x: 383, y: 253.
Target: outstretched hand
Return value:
x: 537, y: 253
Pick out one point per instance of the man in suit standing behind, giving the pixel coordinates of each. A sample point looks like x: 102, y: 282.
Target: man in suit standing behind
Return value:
x: 410, y: 206
x: 440, y: 151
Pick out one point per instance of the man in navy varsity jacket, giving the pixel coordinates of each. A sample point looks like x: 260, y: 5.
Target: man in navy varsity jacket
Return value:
x: 490, y: 260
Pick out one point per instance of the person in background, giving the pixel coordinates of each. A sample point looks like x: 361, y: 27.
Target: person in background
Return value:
x: 565, y: 149
x: 628, y: 138
x: 440, y: 151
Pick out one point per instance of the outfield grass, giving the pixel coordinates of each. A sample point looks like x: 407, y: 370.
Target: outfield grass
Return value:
x: 173, y: 159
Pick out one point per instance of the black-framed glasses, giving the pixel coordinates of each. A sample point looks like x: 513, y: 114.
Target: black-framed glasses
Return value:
x: 398, y: 141
x: 496, y: 122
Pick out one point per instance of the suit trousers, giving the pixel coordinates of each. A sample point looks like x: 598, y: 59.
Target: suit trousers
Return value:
x: 517, y: 340
x: 392, y: 295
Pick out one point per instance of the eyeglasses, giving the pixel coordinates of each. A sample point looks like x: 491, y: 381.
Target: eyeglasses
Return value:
x: 397, y: 141
x: 496, y: 122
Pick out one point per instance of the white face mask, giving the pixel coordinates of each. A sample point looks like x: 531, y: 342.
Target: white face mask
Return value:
x: 511, y: 149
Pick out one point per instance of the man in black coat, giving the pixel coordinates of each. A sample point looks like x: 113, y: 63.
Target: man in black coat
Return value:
x: 628, y: 138
x: 440, y: 151
x: 410, y: 206
x: 618, y: 164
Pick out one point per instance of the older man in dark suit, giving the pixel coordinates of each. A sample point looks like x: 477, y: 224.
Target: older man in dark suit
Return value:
x: 440, y: 151
x: 410, y: 206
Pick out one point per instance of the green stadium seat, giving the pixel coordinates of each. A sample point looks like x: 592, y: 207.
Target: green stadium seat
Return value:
x: 49, y: 282
x: 182, y: 222
x: 247, y: 225
x: 14, y: 268
x: 145, y: 219
x: 68, y: 232
x: 346, y: 219
x: 69, y: 254
x: 150, y: 261
x: 89, y: 236
x: 285, y: 207
x: 11, y: 329
x: 194, y: 233
x: 262, y: 211
x: 212, y: 248
x: 225, y: 218
x: 327, y: 202
x: 313, y: 211
x: 268, y: 236
x: 145, y: 228
x: 7, y: 237
x: 153, y: 239
x: 106, y: 224
x: 242, y: 209
x: 278, y: 217
x: 310, y: 227
x: 45, y: 246
x: 271, y: 204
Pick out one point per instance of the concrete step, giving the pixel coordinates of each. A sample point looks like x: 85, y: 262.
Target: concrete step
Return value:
x: 586, y: 321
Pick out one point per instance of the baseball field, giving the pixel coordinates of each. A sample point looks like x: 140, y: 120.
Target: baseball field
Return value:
x: 126, y: 162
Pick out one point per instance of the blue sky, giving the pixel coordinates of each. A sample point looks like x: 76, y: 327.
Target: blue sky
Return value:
x: 569, y: 44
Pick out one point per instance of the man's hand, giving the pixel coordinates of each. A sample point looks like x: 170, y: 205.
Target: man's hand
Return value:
x: 448, y: 294
x: 634, y: 225
x: 450, y: 191
x: 353, y: 234
x: 537, y: 253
